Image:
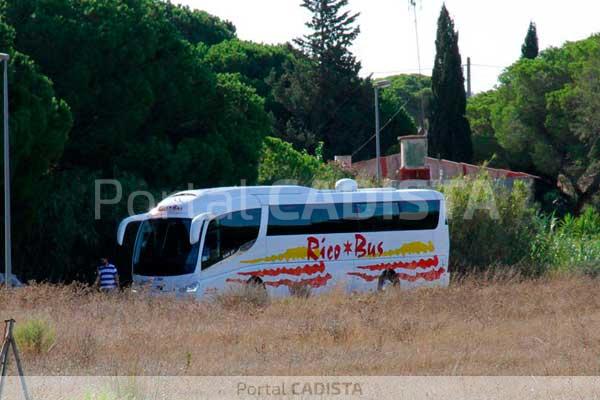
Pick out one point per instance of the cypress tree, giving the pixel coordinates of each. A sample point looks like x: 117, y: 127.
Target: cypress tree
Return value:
x: 530, y: 48
x: 450, y: 133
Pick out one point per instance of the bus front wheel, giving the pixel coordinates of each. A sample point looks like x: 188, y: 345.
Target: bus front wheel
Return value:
x: 256, y: 291
x: 255, y: 282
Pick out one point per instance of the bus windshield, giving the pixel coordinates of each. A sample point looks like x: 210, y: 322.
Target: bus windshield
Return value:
x: 163, y: 248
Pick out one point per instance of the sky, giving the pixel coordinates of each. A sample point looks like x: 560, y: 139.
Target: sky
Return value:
x: 491, y: 31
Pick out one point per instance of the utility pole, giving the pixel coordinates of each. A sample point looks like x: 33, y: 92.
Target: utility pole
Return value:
x: 376, y: 86
x: 7, y: 240
x: 377, y: 127
x: 413, y: 4
x: 469, y: 92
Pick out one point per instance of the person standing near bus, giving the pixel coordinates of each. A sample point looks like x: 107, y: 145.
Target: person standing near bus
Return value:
x: 107, y: 277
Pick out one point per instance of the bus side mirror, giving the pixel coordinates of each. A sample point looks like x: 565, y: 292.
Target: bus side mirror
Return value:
x: 196, y: 229
x: 125, y: 222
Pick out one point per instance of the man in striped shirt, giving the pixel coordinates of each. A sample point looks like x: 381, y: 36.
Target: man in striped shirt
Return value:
x: 108, y: 277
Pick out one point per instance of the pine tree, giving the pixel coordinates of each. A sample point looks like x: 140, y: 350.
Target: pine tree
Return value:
x: 450, y: 133
x: 530, y: 48
x: 324, y: 91
x: 333, y: 32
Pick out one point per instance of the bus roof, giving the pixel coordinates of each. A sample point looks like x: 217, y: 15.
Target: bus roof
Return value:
x: 217, y: 201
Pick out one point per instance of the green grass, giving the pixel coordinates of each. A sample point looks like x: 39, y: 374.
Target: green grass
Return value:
x: 568, y: 245
x: 34, y: 336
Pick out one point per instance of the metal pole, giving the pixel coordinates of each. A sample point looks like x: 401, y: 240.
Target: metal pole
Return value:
x: 377, y: 144
x: 9, y: 341
x: 422, y: 114
x: 4, y: 356
x: 20, y: 369
x: 469, y: 92
x: 7, y: 239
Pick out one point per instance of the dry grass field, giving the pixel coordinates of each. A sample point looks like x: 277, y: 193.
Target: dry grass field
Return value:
x: 477, y: 327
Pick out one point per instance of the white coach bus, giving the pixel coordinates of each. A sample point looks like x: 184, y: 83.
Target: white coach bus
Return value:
x: 288, y: 237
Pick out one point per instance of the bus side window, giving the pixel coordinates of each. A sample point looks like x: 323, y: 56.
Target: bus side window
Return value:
x: 211, y: 251
x: 230, y: 234
x: 419, y: 215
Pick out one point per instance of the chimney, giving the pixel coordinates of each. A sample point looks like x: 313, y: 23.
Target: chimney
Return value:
x: 413, y: 150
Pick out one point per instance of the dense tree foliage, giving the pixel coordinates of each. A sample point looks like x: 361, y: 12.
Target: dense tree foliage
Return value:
x: 413, y: 93
x: 253, y: 61
x: 530, y: 48
x: 127, y: 67
x: 486, y: 148
x: 198, y: 26
x: 259, y: 66
x: 544, y: 117
x: 450, y: 133
x: 145, y: 108
x: 39, y: 126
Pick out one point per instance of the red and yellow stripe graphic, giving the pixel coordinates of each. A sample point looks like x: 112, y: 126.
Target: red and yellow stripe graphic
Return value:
x: 316, y: 282
x: 308, y: 269
x: 430, y: 276
x: 411, y: 265
x: 295, y: 253
x: 408, y: 248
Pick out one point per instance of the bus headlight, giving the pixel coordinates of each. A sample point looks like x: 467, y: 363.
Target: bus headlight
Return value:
x: 191, y: 288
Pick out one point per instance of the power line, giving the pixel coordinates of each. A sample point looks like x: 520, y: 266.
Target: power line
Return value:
x: 402, y: 71
x: 409, y: 70
x: 382, y: 128
x: 489, y: 66
x: 363, y: 145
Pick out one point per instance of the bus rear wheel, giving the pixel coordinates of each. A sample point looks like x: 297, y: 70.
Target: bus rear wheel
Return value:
x: 388, y: 278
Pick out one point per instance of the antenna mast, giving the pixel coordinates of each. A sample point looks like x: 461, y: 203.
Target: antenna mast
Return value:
x: 413, y: 4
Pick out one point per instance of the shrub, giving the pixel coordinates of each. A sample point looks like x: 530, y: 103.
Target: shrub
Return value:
x: 34, y: 336
x: 490, y: 223
x: 586, y: 225
x: 281, y: 162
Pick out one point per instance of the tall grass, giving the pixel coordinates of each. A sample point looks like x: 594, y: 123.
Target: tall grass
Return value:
x: 568, y: 245
x: 484, y: 325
